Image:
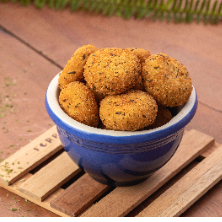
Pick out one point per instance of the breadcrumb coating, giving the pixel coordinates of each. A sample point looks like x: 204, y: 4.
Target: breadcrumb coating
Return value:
x: 131, y: 111
x: 167, y: 80
x: 98, y: 95
x: 163, y: 117
x: 112, y: 71
x: 122, y: 89
x: 79, y: 102
x: 141, y: 53
x: 73, y: 71
x: 139, y: 84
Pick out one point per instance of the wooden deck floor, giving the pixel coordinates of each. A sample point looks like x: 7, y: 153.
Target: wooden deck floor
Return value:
x: 36, y: 44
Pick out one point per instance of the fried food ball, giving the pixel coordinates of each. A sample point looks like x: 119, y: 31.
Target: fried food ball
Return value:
x: 79, y: 102
x: 139, y: 84
x: 167, y: 80
x: 73, y: 71
x: 131, y: 111
x: 112, y: 71
x: 163, y: 117
x: 141, y: 53
x: 98, y: 95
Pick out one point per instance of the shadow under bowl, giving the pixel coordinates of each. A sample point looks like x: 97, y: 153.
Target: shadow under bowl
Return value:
x: 119, y: 158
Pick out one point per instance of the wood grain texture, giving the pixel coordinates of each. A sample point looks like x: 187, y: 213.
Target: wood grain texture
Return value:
x: 207, y: 206
x: 22, y: 94
x: 210, y: 150
x: 188, y: 189
x: 51, y: 177
x: 161, y: 190
x: 22, y: 68
x: 45, y: 204
x: 122, y: 200
x: 30, y: 156
x: 80, y: 195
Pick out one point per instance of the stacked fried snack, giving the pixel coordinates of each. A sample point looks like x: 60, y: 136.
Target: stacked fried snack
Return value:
x: 125, y: 89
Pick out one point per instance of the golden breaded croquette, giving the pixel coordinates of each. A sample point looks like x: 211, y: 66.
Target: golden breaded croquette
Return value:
x: 73, y: 71
x: 163, y: 116
x: 98, y: 95
x: 139, y: 84
x: 112, y: 71
x: 141, y: 53
x: 131, y: 111
x: 79, y: 102
x: 167, y: 80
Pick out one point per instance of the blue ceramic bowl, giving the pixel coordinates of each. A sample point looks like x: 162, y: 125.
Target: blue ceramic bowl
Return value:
x: 118, y: 158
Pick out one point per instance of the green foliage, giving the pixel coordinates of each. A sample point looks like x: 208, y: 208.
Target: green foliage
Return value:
x: 177, y: 10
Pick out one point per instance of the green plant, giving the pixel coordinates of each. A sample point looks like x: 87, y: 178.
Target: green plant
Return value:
x: 177, y: 10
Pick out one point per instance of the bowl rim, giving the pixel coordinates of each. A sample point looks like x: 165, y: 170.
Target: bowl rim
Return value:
x: 62, y: 120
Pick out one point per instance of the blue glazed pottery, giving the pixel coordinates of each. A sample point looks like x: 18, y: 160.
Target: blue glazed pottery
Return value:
x: 118, y: 158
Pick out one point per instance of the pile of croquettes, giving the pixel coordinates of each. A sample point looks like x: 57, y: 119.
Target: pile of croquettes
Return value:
x: 122, y: 89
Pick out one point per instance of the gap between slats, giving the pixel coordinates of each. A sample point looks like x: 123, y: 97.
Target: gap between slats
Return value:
x: 123, y: 199
x: 178, y: 198
x: 30, y: 156
x: 50, y: 177
x: 192, y: 145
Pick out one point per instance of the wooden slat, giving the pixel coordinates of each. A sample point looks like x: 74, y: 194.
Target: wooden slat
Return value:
x: 79, y: 196
x: 45, y: 204
x: 28, y: 118
x: 30, y: 156
x: 210, y: 150
x: 188, y: 189
x: 50, y: 177
x: 76, y: 198
x: 122, y: 200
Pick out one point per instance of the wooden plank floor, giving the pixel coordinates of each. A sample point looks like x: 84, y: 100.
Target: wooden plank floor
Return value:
x: 31, y: 53
x: 197, y: 41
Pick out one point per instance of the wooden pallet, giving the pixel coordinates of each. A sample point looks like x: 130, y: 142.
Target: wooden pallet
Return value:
x: 43, y: 173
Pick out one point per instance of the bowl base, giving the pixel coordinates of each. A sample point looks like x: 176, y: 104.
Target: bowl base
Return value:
x: 119, y: 183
